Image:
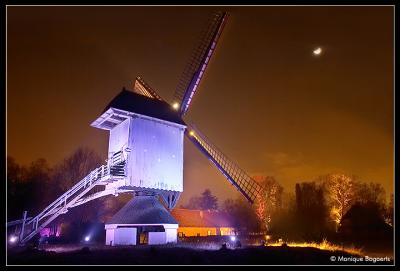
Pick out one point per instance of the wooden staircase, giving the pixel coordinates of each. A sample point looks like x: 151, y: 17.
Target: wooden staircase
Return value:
x: 113, y: 170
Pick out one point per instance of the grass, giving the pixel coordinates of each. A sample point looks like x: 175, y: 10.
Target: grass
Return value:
x: 199, y: 253
x: 324, y: 245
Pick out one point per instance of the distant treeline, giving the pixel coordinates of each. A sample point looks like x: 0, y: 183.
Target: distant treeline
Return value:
x: 35, y: 186
x: 335, y: 207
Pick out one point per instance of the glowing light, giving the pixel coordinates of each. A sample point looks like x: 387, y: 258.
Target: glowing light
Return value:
x: 233, y: 238
x: 87, y: 238
x: 175, y: 106
x: 324, y: 245
x: 13, y: 239
x: 191, y: 133
x: 317, y: 51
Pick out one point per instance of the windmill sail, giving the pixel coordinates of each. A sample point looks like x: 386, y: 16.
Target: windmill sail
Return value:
x: 197, y: 65
x: 141, y: 87
x: 239, y: 178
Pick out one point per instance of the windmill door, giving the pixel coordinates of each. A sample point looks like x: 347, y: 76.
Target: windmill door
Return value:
x: 143, y: 238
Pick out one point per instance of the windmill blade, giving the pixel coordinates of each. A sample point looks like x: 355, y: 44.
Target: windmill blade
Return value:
x: 197, y: 65
x: 239, y: 178
x: 141, y: 87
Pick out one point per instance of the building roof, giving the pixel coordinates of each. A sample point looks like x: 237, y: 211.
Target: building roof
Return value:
x: 200, y: 218
x: 143, y: 210
x: 140, y: 104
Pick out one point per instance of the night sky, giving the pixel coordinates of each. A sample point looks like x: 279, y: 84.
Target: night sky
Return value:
x: 266, y: 100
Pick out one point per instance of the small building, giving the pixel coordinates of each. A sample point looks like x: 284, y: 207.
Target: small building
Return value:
x: 143, y: 220
x: 203, y: 223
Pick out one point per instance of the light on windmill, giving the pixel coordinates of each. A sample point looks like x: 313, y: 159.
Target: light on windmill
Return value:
x: 191, y: 133
x: 175, y: 106
x: 317, y: 51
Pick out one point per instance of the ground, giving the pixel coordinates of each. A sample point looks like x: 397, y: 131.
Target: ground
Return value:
x: 179, y: 255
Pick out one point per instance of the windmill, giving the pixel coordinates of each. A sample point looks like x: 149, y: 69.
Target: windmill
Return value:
x: 145, y: 157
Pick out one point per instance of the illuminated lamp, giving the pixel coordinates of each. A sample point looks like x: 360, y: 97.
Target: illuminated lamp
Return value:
x: 175, y: 106
x: 13, y: 239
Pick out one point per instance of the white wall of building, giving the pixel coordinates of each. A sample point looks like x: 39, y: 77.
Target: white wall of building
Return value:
x: 171, y: 235
x: 156, y: 158
x: 125, y: 236
x: 157, y: 238
x: 119, y: 136
x: 110, y: 237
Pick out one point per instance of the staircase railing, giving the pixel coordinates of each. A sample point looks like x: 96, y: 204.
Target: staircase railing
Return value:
x: 114, y: 167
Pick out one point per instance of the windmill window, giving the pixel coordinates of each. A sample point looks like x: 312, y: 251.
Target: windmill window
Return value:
x: 116, y: 117
x: 109, y: 124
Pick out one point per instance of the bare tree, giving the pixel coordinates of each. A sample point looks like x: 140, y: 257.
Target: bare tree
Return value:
x: 389, y: 211
x: 207, y: 201
x: 340, y: 190
x: 268, y: 202
x: 39, y: 173
x: 18, y: 189
x: 70, y: 171
x: 370, y: 193
x: 73, y: 168
x: 311, y: 211
x: 242, y: 213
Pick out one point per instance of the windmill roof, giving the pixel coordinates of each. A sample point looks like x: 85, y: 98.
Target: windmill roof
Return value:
x: 133, y: 102
x: 200, y: 218
x: 143, y: 210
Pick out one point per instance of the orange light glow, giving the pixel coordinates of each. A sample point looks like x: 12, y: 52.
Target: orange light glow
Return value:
x: 324, y: 245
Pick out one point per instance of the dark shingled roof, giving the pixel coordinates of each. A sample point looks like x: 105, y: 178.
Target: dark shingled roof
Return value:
x: 137, y: 103
x: 143, y: 210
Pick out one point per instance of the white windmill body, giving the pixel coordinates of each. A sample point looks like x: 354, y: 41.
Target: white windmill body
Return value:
x: 150, y: 135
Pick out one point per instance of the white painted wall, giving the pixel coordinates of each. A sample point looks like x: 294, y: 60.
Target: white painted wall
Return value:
x: 171, y: 235
x: 125, y: 236
x: 119, y: 136
x: 110, y: 237
x: 156, y: 158
x: 157, y: 238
